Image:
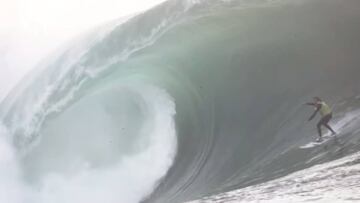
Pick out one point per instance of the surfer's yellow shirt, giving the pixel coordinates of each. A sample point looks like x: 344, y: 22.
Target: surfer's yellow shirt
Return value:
x: 324, y: 109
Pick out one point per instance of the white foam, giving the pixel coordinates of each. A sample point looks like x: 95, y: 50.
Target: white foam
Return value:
x: 12, y: 189
x: 128, y: 180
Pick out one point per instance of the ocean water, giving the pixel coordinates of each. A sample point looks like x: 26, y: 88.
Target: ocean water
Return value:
x: 188, y: 99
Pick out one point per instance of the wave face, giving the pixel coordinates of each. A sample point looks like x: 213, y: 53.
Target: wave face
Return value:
x: 188, y: 99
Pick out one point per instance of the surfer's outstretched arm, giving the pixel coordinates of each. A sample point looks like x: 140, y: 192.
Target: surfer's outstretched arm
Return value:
x: 315, y: 112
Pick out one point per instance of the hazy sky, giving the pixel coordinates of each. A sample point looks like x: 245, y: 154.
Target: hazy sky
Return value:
x: 29, y: 29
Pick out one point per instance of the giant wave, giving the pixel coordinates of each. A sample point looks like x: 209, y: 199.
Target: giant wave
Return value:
x: 190, y: 98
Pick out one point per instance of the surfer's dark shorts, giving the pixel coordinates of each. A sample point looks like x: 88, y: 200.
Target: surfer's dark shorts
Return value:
x: 325, y: 119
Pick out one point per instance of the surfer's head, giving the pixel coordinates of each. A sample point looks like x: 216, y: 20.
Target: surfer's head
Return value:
x: 317, y: 99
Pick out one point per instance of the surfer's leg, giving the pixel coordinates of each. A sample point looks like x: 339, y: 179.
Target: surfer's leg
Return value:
x: 319, y: 128
x: 327, y: 118
x: 323, y: 121
x: 328, y: 127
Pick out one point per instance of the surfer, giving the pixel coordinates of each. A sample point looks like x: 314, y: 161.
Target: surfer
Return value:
x: 326, y: 115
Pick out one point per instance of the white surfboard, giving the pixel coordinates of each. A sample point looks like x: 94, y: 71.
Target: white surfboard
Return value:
x: 325, y: 139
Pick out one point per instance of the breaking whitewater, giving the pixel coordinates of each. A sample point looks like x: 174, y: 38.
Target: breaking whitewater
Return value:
x: 187, y: 100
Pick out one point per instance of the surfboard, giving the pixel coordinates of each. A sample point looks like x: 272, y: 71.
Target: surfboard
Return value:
x: 325, y: 139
